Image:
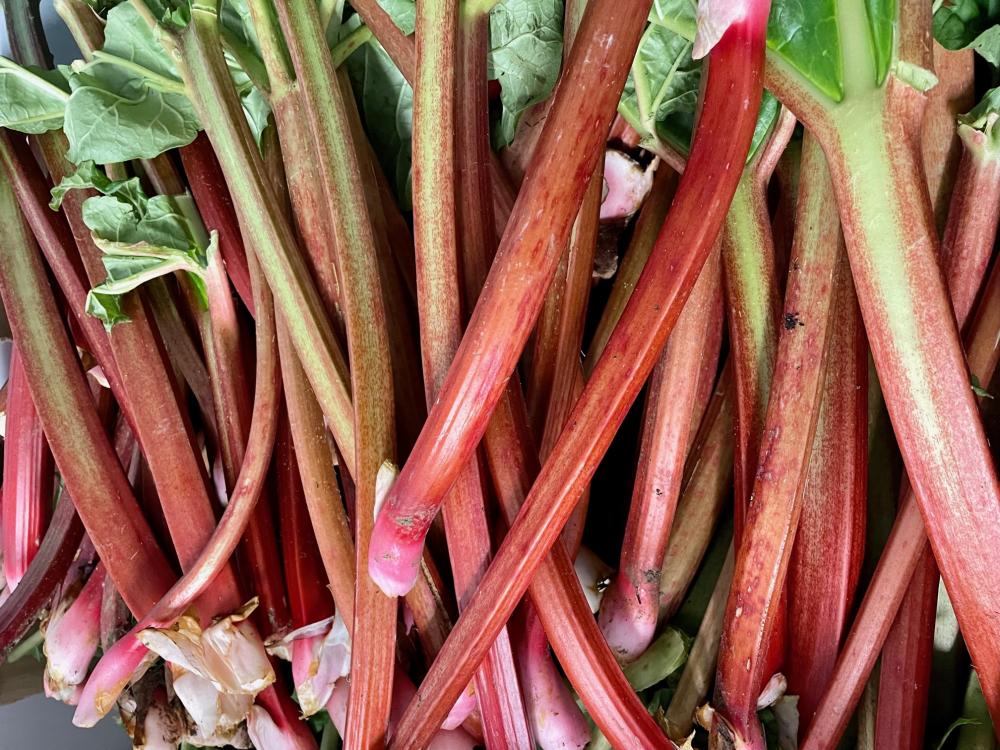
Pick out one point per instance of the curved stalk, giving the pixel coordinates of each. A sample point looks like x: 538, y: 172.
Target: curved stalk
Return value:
x: 86, y: 461
x: 631, y: 604
x: 438, y: 297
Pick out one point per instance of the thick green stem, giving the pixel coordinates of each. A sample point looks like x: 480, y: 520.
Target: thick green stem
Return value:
x: 260, y: 213
x: 371, y: 377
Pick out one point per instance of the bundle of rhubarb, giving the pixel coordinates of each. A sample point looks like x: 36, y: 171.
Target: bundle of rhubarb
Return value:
x: 506, y: 373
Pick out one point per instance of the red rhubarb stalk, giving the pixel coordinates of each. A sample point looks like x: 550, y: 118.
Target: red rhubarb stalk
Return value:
x: 726, y: 127
x: 631, y: 604
x: 707, y: 487
x: 438, y: 297
x: 905, y: 668
x: 902, y: 554
x: 86, y: 461
x: 367, y: 339
x: 514, y: 290
x: 43, y: 577
x: 823, y: 576
x: 28, y: 475
x: 818, y: 272
x: 888, y: 227
x: 116, y: 666
x: 560, y: 603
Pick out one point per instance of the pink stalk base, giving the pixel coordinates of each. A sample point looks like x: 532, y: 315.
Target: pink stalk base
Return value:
x: 556, y: 721
x: 71, y: 640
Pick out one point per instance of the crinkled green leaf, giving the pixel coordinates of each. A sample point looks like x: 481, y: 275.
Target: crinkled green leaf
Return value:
x: 131, y: 109
x: 882, y: 25
x: 128, y: 36
x: 664, y: 656
x: 402, y: 12
x: 805, y: 35
x: 141, y: 238
x: 969, y: 24
x: 172, y: 14
x: 89, y: 175
x: 32, y: 100
x: 385, y: 100
x: 137, y: 122
x: 661, y: 91
x: 525, y: 56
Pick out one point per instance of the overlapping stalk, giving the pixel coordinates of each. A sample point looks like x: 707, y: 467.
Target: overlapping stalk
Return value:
x: 817, y: 274
x: 86, y: 461
x: 28, y: 477
x: 627, y: 360
x: 438, y: 296
x: 514, y: 290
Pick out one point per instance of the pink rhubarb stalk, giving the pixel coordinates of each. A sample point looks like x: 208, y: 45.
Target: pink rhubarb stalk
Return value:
x: 438, y: 297
x: 28, y: 477
x: 631, y: 604
x: 505, y: 313
x: 71, y: 639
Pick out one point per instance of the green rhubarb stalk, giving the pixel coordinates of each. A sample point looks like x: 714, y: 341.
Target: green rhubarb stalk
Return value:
x: 753, y: 306
x: 205, y: 72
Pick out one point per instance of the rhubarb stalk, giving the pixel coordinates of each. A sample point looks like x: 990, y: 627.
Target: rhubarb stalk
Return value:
x: 28, y: 477
x: 504, y: 315
x: 438, y: 296
x: 631, y: 604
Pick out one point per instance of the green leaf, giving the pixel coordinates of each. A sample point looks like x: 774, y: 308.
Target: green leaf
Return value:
x: 128, y: 36
x: 235, y: 18
x: 385, y: 100
x: 106, y: 308
x: 882, y: 24
x: 664, y: 656
x: 402, y: 12
x: 32, y: 100
x: 89, y: 175
x: 661, y: 91
x: 525, y: 56
x: 676, y: 15
x: 141, y: 238
x: 805, y: 35
x: 137, y: 122
x: 128, y: 104
x: 969, y: 24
